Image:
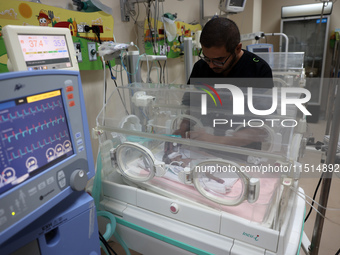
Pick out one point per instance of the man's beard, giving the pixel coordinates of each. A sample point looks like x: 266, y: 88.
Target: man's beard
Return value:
x: 221, y: 69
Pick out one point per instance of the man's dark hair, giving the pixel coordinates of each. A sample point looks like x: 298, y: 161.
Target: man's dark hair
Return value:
x: 219, y: 32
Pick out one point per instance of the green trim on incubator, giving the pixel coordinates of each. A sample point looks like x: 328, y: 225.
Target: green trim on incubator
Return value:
x: 303, y: 226
x: 163, y: 238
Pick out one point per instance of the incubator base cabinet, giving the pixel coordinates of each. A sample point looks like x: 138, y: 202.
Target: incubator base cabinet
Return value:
x: 172, y: 193
x: 148, y: 226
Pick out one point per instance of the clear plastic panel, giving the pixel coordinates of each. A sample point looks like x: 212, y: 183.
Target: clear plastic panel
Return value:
x: 220, y: 182
x: 158, y: 118
x: 283, y: 61
x: 288, y: 68
x: 161, y: 111
x: 135, y: 164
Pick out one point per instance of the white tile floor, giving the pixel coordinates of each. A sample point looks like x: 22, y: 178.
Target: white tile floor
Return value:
x: 331, y: 231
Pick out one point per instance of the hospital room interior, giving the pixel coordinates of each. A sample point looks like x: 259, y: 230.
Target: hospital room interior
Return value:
x: 115, y: 141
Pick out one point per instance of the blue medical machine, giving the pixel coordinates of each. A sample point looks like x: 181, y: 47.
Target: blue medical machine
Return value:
x: 45, y: 150
x: 260, y: 47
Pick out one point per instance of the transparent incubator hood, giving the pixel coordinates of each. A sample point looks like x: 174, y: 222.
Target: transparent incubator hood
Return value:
x: 206, y: 147
x: 288, y: 67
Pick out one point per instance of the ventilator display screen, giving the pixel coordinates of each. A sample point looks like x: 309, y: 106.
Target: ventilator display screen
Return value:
x: 34, y: 136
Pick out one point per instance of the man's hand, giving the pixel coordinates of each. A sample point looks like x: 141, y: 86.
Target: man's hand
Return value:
x: 184, y: 126
x: 202, y: 135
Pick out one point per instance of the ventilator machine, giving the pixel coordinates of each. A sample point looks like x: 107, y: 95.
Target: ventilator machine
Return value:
x: 45, y: 153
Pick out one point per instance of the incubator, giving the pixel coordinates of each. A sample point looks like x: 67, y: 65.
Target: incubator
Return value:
x: 190, y: 174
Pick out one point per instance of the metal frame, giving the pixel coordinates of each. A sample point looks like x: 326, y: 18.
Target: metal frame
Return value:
x: 327, y: 178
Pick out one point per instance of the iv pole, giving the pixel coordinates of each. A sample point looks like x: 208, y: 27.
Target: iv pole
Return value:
x: 327, y: 178
x: 330, y: 160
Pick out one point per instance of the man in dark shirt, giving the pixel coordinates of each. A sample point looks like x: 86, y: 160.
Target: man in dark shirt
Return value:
x: 222, y: 56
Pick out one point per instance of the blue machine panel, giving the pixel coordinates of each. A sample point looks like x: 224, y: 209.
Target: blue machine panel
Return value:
x: 44, y: 139
x: 68, y: 229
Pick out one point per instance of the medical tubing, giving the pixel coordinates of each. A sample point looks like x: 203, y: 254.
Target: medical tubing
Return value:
x: 149, y: 72
x: 122, y: 243
x: 141, y: 110
x: 107, y: 246
x: 102, y: 245
x: 121, y: 74
x: 96, y: 194
x: 313, y: 199
x: 301, y: 236
x: 110, y: 68
x: 104, y: 87
x: 327, y: 208
x: 166, y: 71
x: 121, y: 99
x: 148, y: 67
x: 158, y: 73
x: 110, y: 227
x: 116, y: 69
x: 96, y: 190
x: 121, y: 58
x: 168, y: 166
x: 316, y: 210
x: 138, y: 60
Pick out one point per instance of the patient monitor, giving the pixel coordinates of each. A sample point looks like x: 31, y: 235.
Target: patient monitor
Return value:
x: 232, y: 6
x: 260, y: 48
x: 39, y: 48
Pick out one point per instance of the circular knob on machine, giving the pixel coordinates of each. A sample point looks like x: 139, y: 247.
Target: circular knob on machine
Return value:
x: 78, y: 180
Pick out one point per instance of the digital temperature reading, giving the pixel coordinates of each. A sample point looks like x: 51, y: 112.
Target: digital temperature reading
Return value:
x: 42, y: 52
x: 35, y: 43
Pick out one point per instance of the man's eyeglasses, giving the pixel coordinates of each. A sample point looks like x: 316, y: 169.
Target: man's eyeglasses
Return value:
x: 215, y: 62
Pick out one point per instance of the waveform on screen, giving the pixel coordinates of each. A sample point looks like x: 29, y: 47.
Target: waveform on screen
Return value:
x: 40, y: 126
x: 30, y: 111
x: 38, y: 145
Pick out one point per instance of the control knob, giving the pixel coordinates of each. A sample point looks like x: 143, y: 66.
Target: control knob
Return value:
x: 78, y: 180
